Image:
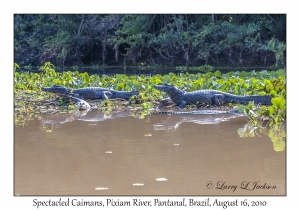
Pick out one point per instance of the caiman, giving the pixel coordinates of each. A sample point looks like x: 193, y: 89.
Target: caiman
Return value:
x: 214, y: 97
x: 90, y: 92
x: 81, y: 94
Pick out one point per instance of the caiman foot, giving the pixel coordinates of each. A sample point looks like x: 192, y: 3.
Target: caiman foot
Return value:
x: 165, y: 102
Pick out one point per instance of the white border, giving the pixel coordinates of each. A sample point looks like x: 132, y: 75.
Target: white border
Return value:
x: 8, y: 201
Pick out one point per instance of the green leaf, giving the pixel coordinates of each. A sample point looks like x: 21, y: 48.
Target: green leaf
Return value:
x: 158, y: 81
x: 277, y: 119
x: 121, y: 86
x: 278, y: 102
x: 271, y: 110
x: 237, y: 88
x: 240, y: 109
x: 262, y: 93
x: 273, y: 93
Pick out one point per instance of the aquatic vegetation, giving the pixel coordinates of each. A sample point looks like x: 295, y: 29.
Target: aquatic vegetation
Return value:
x: 30, y: 98
x: 16, y: 66
x: 31, y: 102
x: 276, y: 133
x: 275, y: 114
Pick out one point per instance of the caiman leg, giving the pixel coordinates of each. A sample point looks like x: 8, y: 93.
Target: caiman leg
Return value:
x: 183, y: 103
x: 81, y: 104
x: 106, y: 94
x: 217, y: 98
x: 165, y: 101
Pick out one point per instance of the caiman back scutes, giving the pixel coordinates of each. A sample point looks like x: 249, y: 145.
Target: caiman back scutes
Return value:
x: 81, y: 94
x: 199, y: 112
x: 214, y: 97
x: 90, y: 92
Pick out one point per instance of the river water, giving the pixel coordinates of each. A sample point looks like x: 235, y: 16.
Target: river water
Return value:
x: 120, y: 154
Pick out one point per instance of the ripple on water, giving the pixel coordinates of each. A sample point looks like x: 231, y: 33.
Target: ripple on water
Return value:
x: 138, y: 184
x: 161, y: 179
x: 101, y: 188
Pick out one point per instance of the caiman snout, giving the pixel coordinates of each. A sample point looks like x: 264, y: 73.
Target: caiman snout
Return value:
x: 165, y: 87
x: 61, y: 90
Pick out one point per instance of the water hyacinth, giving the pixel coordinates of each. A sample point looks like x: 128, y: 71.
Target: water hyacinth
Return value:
x: 27, y: 87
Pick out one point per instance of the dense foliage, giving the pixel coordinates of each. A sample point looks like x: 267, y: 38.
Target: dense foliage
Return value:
x: 152, y: 39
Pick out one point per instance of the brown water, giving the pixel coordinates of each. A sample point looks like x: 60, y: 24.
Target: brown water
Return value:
x: 157, y: 155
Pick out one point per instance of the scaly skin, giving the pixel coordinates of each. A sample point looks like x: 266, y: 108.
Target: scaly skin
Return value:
x: 233, y: 111
x: 81, y: 94
x: 214, y: 97
x: 90, y: 92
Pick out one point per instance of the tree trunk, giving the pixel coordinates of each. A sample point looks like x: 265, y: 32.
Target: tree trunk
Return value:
x: 116, y: 48
x: 104, y: 42
x: 206, y: 58
x: 80, y: 27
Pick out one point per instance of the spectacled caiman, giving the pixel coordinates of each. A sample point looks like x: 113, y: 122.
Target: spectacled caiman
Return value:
x: 90, y: 92
x: 81, y: 94
x: 214, y: 97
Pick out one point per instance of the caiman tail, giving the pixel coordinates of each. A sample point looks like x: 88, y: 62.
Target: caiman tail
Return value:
x: 125, y: 94
x: 266, y: 100
x: 198, y: 112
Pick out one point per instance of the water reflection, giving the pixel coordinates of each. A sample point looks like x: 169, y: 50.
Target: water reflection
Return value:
x: 277, y: 134
x: 93, y: 117
x: 124, y: 153
x: 172, y: 122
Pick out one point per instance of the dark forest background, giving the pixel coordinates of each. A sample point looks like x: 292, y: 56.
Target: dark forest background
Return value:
x: 150, y: 39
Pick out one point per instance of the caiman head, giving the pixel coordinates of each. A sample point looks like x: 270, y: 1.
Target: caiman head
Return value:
x: 57, y: 89
x: 167, y: 88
